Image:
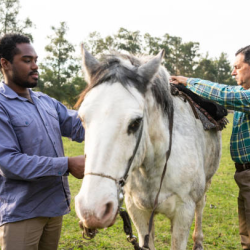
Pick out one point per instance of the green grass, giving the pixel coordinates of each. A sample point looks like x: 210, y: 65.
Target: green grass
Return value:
x: 220, y: 221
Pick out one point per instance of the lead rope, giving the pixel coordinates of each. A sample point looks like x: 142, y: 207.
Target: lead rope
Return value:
x: 128, y: 229
x: 126, y: 220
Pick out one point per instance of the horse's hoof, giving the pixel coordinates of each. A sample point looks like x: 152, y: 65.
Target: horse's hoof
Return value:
x: 198, y: 246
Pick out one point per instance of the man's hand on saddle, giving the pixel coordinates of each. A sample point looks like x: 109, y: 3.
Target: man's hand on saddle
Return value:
x: 179, y: 79
x: 76, y: 166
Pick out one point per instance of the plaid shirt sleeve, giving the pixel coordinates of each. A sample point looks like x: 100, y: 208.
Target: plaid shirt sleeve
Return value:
x: 231, y: 97
x: 235, y: 98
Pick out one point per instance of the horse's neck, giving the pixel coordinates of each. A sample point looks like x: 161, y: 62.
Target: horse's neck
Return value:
x: 157, y: 135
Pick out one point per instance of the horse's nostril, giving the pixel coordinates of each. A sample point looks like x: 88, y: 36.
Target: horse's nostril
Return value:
x: 108, y: 209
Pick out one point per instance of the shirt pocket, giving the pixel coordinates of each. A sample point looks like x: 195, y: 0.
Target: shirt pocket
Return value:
x: 53, y: 113
x: 53, y: 121
x: 27, y: 132
x: 22, y: 121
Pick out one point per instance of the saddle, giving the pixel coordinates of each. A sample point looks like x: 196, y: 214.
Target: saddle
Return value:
x: 211, y: 114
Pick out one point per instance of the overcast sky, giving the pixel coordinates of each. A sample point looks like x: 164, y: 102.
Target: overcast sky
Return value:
x: 218, y: 25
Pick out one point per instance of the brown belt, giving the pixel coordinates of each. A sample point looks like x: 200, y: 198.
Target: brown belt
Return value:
x: 241, y: 167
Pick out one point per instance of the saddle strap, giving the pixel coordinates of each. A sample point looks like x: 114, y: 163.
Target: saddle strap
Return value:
x: 175, y: 91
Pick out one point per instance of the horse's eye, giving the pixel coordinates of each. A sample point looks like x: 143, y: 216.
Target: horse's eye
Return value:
x: 134, y: 125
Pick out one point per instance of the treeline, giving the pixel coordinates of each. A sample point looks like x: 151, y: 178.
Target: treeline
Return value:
x: 60, y: 72
x: 180, y: 58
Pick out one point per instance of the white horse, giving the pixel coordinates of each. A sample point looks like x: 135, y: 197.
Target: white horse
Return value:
x: 125, y: 112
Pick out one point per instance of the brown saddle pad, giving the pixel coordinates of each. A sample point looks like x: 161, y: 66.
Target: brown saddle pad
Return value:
x: 211, y: 114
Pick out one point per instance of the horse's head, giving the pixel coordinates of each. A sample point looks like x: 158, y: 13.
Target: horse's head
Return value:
x: 113, y: 114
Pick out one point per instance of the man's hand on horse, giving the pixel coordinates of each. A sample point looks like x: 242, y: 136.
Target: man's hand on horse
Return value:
x: 76, y: 166
x: 179, y: 79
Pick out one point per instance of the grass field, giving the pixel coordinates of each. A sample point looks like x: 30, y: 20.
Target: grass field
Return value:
x: 220, y: 222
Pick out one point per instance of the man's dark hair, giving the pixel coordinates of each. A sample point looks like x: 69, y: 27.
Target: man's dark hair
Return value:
x: 246, y: 52
x: 8, y: 44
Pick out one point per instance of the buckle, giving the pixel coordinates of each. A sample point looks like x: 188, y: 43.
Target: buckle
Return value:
x: 131, y: 238
x: 121, y: 182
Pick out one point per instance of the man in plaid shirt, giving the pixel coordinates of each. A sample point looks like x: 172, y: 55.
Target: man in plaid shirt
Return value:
x: 236, y: 98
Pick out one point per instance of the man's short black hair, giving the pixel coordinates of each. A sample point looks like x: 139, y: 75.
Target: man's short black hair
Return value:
x: 8, y: 44
x: 246, y: 52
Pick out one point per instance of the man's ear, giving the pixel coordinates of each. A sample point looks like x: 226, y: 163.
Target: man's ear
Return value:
x: 5, y: 64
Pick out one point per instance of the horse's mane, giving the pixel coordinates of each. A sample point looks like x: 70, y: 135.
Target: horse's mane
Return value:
x: 122, y: 68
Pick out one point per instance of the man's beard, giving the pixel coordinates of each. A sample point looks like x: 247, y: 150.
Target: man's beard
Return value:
x: 24, y: 84
x: 27, y: 84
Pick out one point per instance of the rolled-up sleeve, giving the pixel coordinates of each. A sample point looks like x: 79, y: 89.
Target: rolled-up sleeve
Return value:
x: 231, y: 97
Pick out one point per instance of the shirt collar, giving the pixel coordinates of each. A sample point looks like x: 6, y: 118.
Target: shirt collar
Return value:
x: 11, y: 94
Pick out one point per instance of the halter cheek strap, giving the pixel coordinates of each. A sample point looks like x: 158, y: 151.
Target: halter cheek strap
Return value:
x: 122, y: 181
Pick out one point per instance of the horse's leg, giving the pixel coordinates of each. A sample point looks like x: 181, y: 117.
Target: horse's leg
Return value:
x: 198, y: 234
x: 140, y: 219
x: 181, y: 223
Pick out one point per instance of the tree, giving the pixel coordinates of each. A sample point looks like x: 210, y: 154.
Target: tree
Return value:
x: 153, y: 45
x: 180, y: 58
x: 224, y: 70
x: 206, y: 69
x: 61, y: 71
x: 96, y: 44
x: 215, y: 70
x: 9, y: 10
x: 128, y: 40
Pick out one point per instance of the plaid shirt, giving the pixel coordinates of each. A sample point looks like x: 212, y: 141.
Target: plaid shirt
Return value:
x: 234, y: 98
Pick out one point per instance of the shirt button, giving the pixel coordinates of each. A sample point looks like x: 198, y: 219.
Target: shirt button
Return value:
x: 26, y: 123
x: 60, y: 173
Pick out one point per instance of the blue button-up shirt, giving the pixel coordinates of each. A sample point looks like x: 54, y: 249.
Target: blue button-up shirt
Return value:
x: 33, y: 168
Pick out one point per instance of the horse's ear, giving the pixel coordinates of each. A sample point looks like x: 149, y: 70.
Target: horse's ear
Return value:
x: 149, y: 69
x: 90, y: 64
